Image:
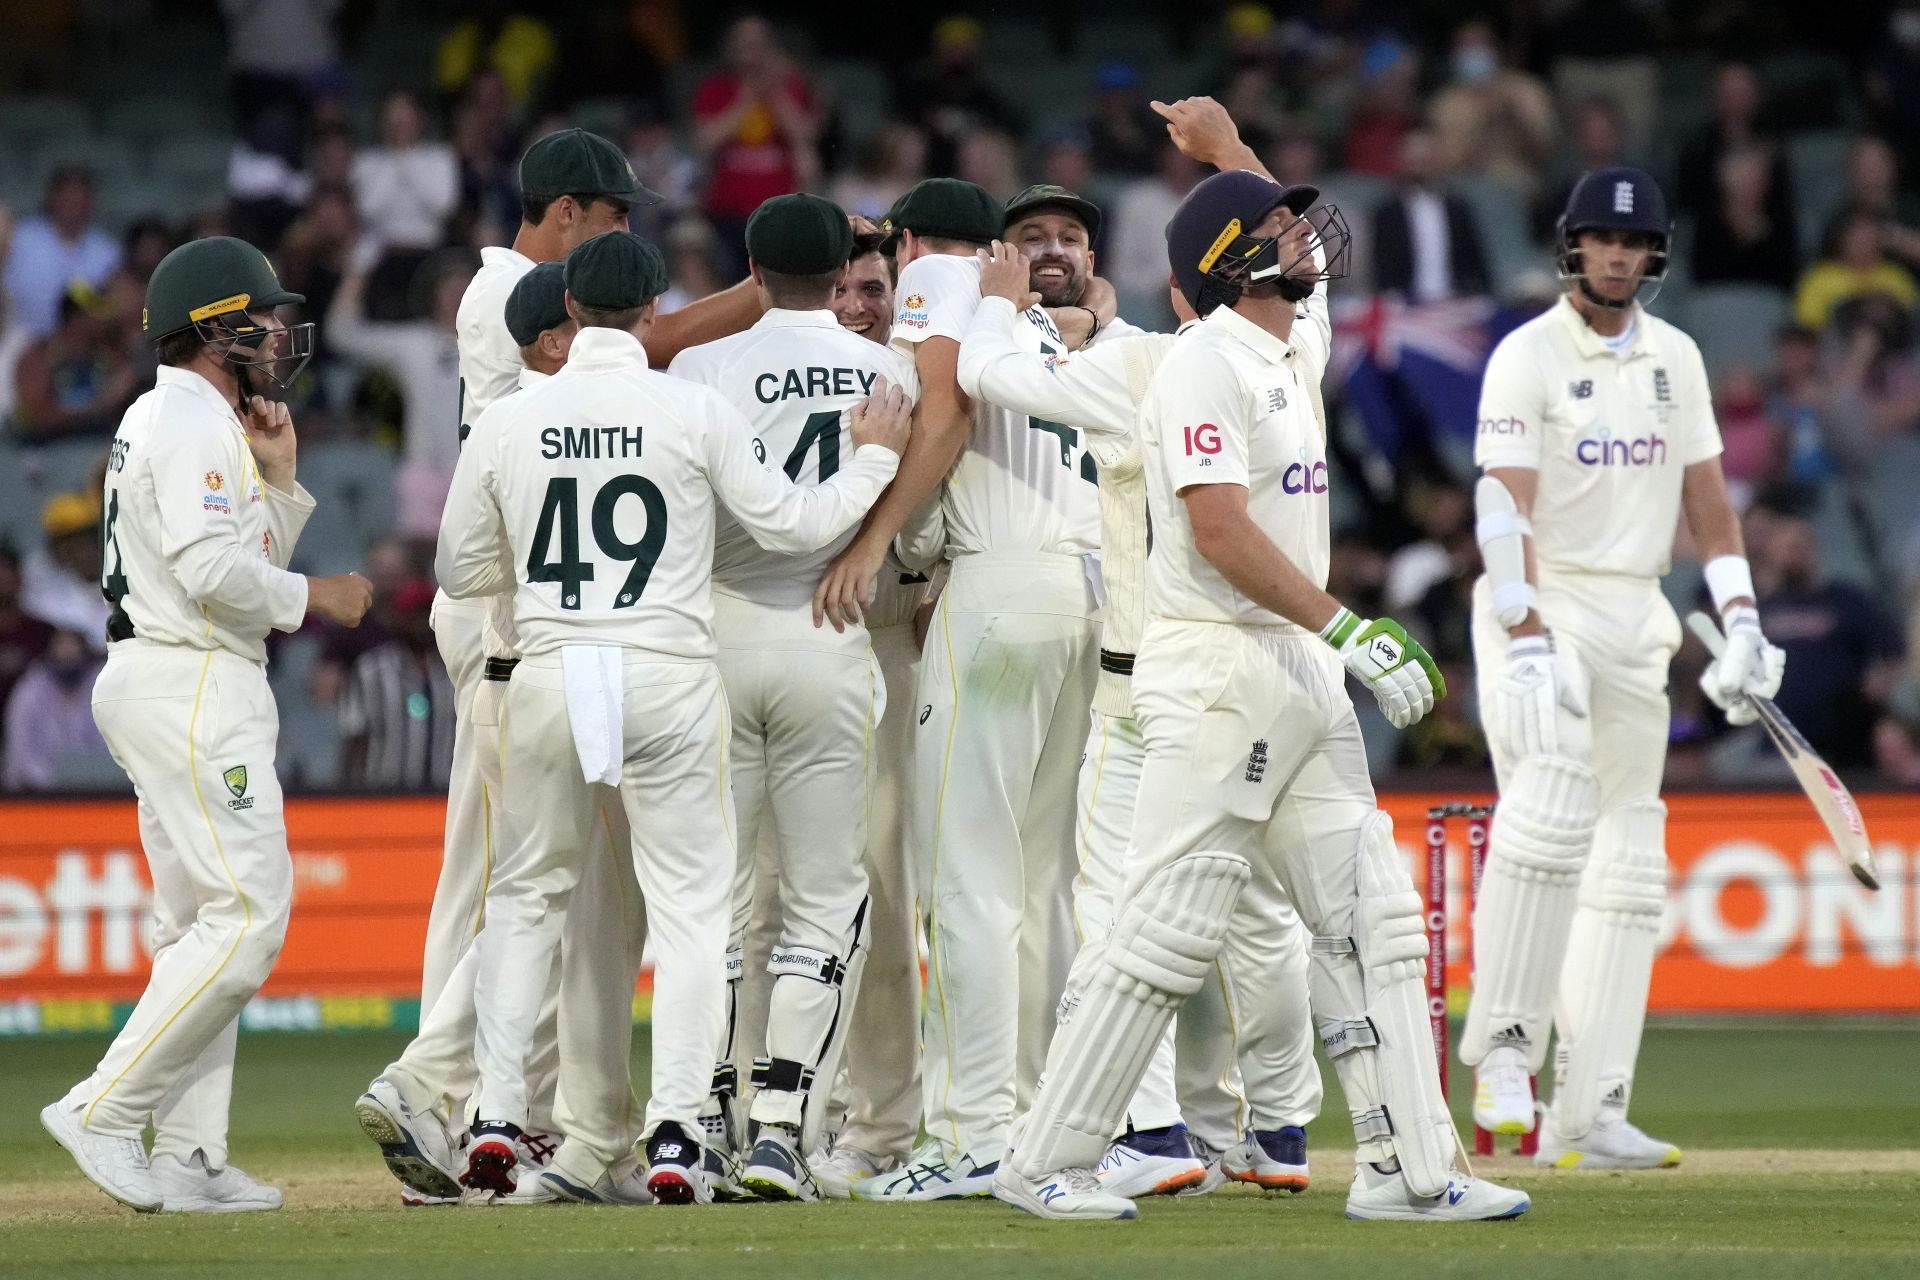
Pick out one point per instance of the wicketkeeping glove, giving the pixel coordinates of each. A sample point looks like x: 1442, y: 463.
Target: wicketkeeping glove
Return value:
x: 1747, y: 668
x: 1404, y: 679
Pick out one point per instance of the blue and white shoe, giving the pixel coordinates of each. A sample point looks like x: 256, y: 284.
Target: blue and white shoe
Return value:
x: 493, y: 1161
x: 775, y: 1169
x: 1377, y: 1196
x: 1150, y: 1162
x: 931, y: 1176
x: 417, y: 1148
x: 628, y: 1187
x: 1275, y: 1159
x: 675, y: 1172
x: 1065, y: 1195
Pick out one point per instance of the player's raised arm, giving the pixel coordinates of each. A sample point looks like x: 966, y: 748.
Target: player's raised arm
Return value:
x: 715, y: 316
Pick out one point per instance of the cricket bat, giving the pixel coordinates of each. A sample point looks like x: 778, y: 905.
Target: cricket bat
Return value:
x: 1831, y: 799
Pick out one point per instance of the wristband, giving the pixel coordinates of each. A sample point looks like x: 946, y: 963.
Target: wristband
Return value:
x: 1340, y: 626
x: 1095, y: 317
x: 1729, y: 578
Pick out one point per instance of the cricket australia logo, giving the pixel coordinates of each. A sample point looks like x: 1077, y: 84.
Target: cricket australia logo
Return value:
x: 1257, y: 762
x: 236, y: 780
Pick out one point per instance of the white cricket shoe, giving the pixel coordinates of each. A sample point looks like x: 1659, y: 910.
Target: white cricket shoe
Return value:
x: 416, y: 1147
x: 1068, y: 1195
x: 118, y: 1166
x: 1503, y: 1093
x: 1156, y: 1162
x: 1377, y: 1196
x: 1273, y: 1159
x: 1614, y: 1142
x: 775, y: 1169
x: 717, y: 1162
x: 190, y: 1187
x: 931, y: 1176
x: 840, y: 1167
x: 628, y: 1187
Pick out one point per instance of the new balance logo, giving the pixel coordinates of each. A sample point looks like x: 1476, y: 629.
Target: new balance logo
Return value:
x: 669, y: 1151
x: 1623, y: 197
x: 1582, y: 390
x: 1257, y: 762
x: 1276, y: 399
x: 1515, y: 1035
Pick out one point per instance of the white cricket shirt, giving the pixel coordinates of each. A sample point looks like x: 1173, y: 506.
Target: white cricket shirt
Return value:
x: 1023, y: 484
x: 792, y: 376
x: 1609, y: 434
x: 594, y: 493
x: 196, y: 544
x: 490, y: 361
x: 1232, y: 404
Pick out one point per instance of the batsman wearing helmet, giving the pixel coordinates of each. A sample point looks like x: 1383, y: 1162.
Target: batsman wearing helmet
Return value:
x: 1596, y: 434
x: 201, y: 514
x: 1254, y: 782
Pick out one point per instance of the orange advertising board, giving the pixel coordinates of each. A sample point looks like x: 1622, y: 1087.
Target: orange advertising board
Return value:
x: 1763, y: 916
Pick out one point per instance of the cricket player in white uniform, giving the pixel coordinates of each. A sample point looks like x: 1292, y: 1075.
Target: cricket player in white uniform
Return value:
x: 1596, y: 433
x: 876, y: 1104
x: 1002, y: 704
x: 1240, y: 693
x: 805, y: 700
x: 202, y: 510
x: 597, y: 495
x: 600, y: 956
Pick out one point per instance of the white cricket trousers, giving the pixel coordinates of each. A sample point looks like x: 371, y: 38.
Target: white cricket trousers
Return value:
x: 675, y: 791
x: 1005, y: 687
x: 875, y: 1105
x: 1193, y: 1077
x: 196, y: 731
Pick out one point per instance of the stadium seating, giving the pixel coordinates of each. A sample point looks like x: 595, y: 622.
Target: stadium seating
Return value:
x: 1735, y: 324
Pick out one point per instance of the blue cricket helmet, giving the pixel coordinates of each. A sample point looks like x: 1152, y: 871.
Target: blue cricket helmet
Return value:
x: 1214, y: 258
x: 1617, y: 198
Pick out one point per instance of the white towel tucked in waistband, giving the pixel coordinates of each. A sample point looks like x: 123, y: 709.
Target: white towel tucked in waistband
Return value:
x: 595, y: 709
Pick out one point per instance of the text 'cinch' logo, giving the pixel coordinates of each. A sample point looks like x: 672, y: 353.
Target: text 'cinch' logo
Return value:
x: 1642, y: 451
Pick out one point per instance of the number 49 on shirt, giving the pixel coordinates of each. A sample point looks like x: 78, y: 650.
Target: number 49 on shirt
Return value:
x: 560, y: 516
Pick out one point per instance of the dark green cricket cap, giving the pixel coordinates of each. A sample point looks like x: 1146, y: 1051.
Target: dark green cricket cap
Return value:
x: 538, y: 303
x: 799, y: 235
x: 574, y: 162
x: 1046, y: 195
x: 213, y: 276
x: 945, y: 207
x: 615, y: 271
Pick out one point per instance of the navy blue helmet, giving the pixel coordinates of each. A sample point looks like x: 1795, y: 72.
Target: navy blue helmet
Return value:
x: 1620, y: 198
x: 1214, y: 257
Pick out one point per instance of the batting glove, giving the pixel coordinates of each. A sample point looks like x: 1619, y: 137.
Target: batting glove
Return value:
x: 1748, y: 668
x: 1404, y: 680
x: 1529, y: 696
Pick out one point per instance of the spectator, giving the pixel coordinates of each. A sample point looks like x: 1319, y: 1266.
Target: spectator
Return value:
x: 518, y: 47
x: 396, y: 712
x: 1741, y: 239
x: 421, y: 356
x: 488, y: 150
x: 1855, y: 263
x: 693, y: 264
x: 23, y: 637
x: 279, y: 51
x: 390, y: 562
x: 13, y: 335
x: 1896, y: 738
x: 1491, y: 119
x: 315, y: 252
x: 1442, y: 512
x: 56, y: 247
x: 990, y: 159
x: 407, y: 186
x: 895, y: 158
x: 1133, y: 250
x: 1875, y: 390
x: 948, y: 97
x: 1599, y: 142
x: 1842, y: 649
x: 1387, y: 108
x: 78, y: 380
x: 663, y: 166
x: 1426, y: 241
x: 1066, y: 160
x: 1737, y: 122
x: 1124, y: 133
x: 49, y: 716
x: 1750, y: 442
x: 267, y: 181
x: 331, y: 154
x: 60, y: 583
x: 1873, y: 185
x: 1296, y: 156
x: 1796, y: 404
x: 1892, y: 79
x: 754, y: 122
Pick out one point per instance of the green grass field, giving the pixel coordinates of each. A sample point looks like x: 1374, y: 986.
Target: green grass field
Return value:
x: 1802, y: 1159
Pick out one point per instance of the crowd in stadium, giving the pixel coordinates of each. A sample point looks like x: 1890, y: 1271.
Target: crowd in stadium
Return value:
x: 374, y: 148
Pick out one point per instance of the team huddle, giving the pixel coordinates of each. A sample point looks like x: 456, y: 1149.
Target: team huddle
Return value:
x: 906, y: 595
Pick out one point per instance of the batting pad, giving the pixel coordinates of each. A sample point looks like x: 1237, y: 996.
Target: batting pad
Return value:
x: 807, y: 1017
x: 1160, y: 952
x: 1603, y: 986
x: 1524, y: 910
x: 1370, y: 1000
